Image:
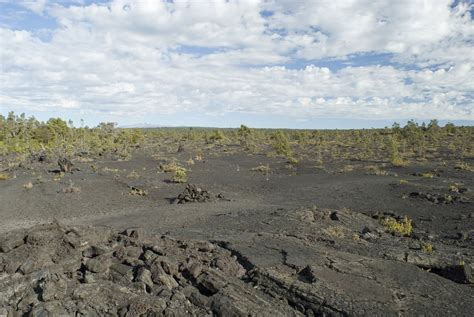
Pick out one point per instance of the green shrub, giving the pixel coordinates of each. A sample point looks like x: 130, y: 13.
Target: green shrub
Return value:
x: 403, y: 227
x: 281, y: 144
x: 180, y: 175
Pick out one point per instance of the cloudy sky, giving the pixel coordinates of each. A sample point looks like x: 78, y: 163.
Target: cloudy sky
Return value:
x: 281, y: 63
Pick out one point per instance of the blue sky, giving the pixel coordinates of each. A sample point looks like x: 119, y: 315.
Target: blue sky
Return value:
x: 294, y: 64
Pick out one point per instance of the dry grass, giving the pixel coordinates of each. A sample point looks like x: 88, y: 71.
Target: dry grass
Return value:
x: 169, y: 168
x: 262, y: 169
x: 4, y: 176
x: 133, y: 175
x: 464, y: 166
x: 28, y: 185
x: 346, y: 168
x: 335, y: 231
x: 399, y: 162
x: 110, y: 170
x: 71, y: 188
x: 427, y: 248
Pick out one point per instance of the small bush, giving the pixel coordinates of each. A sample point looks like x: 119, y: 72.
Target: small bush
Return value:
x: 427, y: 248
x: 134, y: 175
x: 262, y: 169
x: 28, y: 185
x: 454, y: 189
x: 180, y: 175
x: 403, y: 227
x: 71, y: 188
x: 216, y: 136
x: 463, y: 166
x: 281, y: 144
x: 335, y: 231
x: 292, y: 160
x: 169, y: 168
x: 398, y: 162
x: 4, y: 176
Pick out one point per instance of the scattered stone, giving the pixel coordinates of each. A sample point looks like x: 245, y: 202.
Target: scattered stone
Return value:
x: 439, y: 198
x: 135, y: 191
x: 144, y: 275
x: 98, y: 265
x: 135, y: 233
x: 211, y: 282
x: 193, y: 193
x: 308, y: 274
x: 65, y: 165
x: 461, y: 273
x: 11, y: 242
x: 334, y: 216
x: 161, y: 278
x: 136, y: 273
x: 194, y: 270
x: 94, y: 251
x: 40, y: 156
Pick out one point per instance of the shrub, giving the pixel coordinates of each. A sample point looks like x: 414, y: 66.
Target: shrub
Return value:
x: 180, y: 175
x: 395, y: 158
x: 169, y: 168
x: 335, y: 231
x: 71, y: 188
x: 403, y: 227
x: 427, y: 248
x: 216, y: 136
x: 281, y: 144
x: 28, y: 185
x: 292, y: 160
x: 4, y: 176
x: 463, y: 166
x: 262, y: 169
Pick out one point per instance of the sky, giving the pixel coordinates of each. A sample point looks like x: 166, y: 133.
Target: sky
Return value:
x: 287, y: 63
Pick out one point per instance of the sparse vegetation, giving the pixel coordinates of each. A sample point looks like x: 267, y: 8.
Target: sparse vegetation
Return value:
x: 335, y: 231
x: 180, y: 175
x: 169, y: 167
x: 56, y: 137
x: 28, y: 185
x: 464, y: 166
x: 402, y: 227
x: 71, y: 188
x: 262, y: 169
x: 427, y: 175
x: 397, y: 145
x: 427, y: 248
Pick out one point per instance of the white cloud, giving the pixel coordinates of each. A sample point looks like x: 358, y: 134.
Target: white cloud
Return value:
x: 37, y: 6
x: 137, y: 58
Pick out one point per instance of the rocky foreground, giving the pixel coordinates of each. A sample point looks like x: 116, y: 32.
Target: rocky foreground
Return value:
x: 313, y: 264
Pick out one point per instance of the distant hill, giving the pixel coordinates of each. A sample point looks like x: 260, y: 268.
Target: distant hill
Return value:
x: 141, y: 125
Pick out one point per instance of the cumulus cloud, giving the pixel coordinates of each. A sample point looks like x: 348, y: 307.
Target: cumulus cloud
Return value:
x: 137, y: 58
x: 36, y: 6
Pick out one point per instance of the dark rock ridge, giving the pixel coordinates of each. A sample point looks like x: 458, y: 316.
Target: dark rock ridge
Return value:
x: 57, y: 270
x: 437, y: 198
x: 306, y: 267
